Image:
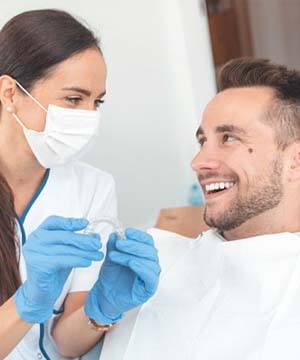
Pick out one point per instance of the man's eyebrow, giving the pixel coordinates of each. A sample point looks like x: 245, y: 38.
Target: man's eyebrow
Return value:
x: 223, y: 128
x: 230, y: 128
x: 81, y: 91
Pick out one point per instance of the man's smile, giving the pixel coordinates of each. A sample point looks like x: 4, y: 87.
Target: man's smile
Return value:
x: 216, y: 188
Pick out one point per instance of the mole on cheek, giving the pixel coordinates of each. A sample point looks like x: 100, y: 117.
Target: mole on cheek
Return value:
x: 250, y: 150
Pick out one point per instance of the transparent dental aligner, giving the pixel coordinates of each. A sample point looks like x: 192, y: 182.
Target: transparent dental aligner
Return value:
x: 114, y: 222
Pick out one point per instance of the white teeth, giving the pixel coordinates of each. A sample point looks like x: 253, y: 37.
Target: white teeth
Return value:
x: 219, y: 185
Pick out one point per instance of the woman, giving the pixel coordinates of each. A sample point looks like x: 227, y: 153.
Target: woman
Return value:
x: 52, y: 83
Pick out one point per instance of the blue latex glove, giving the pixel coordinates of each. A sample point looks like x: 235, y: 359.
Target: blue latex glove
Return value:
x: 128, y: 277
x: 50, y: 253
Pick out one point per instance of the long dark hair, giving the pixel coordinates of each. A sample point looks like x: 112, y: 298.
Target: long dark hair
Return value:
x: 31, y: 44
x: 9, y: 269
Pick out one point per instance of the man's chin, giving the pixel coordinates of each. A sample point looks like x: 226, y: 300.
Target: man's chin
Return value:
x: 219, y: 219
x: 213, y: 214
x: 211, y: 219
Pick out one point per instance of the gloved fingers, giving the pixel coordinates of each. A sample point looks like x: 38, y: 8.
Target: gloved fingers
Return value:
x: 61, y: 250
x: 50, y: 263
x: 72, y: 262
x: 138, y: 235
x: 138, y: 249
x: 62, y: 223
x: 125, y: 259
x: 58, y: 237
x: 148, y: 273
x: 111, y: 243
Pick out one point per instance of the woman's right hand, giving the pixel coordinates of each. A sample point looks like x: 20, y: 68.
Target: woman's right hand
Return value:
x: 50, y: 253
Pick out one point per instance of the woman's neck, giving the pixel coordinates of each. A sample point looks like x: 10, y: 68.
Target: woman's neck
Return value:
x: 24, y: 178
x: 18, y: 165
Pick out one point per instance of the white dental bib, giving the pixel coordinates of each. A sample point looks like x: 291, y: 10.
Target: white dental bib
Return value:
x: 217, y: 300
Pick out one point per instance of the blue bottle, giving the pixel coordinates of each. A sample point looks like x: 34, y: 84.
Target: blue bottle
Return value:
x: 195, y: 196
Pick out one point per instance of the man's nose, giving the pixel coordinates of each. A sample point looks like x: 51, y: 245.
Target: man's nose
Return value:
x: 205, y: 161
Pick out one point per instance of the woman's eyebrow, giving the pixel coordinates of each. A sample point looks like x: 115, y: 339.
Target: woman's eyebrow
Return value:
x: 82, y: 91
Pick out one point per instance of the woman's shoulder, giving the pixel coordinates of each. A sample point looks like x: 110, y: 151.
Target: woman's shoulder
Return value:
x: 84, y: 169
x: 85, y: 174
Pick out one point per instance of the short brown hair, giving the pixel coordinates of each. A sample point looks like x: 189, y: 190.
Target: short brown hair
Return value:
x: 284, y: 113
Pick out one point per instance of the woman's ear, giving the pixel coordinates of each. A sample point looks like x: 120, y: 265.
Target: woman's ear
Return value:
x: 7, y: 93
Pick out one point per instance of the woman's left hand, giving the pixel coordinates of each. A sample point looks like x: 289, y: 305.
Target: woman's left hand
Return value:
x: 128, y: 277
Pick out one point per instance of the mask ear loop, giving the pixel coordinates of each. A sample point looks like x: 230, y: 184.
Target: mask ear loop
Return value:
x: 31, y: 97
x: 10, y: 110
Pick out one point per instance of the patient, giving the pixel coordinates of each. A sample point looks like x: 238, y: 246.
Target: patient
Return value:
x: 234, y: 292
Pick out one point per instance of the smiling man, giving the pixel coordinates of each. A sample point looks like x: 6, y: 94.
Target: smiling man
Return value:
x: 248, y: 163
x: 234, y: 292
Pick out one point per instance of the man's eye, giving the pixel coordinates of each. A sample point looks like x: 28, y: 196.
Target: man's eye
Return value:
x: 229, y: 138
x: 201, y: 141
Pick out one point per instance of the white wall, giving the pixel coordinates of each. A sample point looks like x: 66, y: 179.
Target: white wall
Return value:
x: 160, y: 78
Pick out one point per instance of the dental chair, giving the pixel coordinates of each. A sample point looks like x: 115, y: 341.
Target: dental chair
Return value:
x: 187, y: 221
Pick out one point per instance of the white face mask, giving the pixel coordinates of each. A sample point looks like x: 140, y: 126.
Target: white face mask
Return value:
x: 68, y: 134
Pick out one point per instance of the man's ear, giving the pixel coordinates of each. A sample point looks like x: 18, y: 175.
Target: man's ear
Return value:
x: 294, y: 164
x: 7, y: 93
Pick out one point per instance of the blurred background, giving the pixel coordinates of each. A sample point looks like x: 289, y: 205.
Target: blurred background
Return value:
x: 162, y: 56
x: 258, y: 28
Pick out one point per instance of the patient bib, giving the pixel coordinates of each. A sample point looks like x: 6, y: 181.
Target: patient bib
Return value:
x: 217, y: 299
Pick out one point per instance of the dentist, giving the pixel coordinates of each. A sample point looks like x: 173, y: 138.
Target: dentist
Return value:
x: 54, y: 302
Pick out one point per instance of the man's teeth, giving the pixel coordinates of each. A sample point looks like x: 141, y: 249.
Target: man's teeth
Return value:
x: 218, y: 186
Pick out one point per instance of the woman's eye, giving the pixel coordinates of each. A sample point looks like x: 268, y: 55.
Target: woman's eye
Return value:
x: 74, y: 100
x: 98, y: 103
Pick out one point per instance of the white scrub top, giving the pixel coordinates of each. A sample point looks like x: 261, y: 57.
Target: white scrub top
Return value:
x: 217, y: 299
x: 76, y: 190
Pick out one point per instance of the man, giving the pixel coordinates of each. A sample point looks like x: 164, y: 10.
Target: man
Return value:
x: 233, y: 293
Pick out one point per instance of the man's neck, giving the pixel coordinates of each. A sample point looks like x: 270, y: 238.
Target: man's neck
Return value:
x: 279, y: 220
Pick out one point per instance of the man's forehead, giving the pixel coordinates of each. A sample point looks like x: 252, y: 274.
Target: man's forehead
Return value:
x: 237, y: 106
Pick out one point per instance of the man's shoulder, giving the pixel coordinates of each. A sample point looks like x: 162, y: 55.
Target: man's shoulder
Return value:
x: 172, y: 246
x: 161, y: 236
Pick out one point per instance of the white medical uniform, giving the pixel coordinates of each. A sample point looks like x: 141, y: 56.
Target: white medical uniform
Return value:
x: 76, y: 190
x: 217, y: 300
